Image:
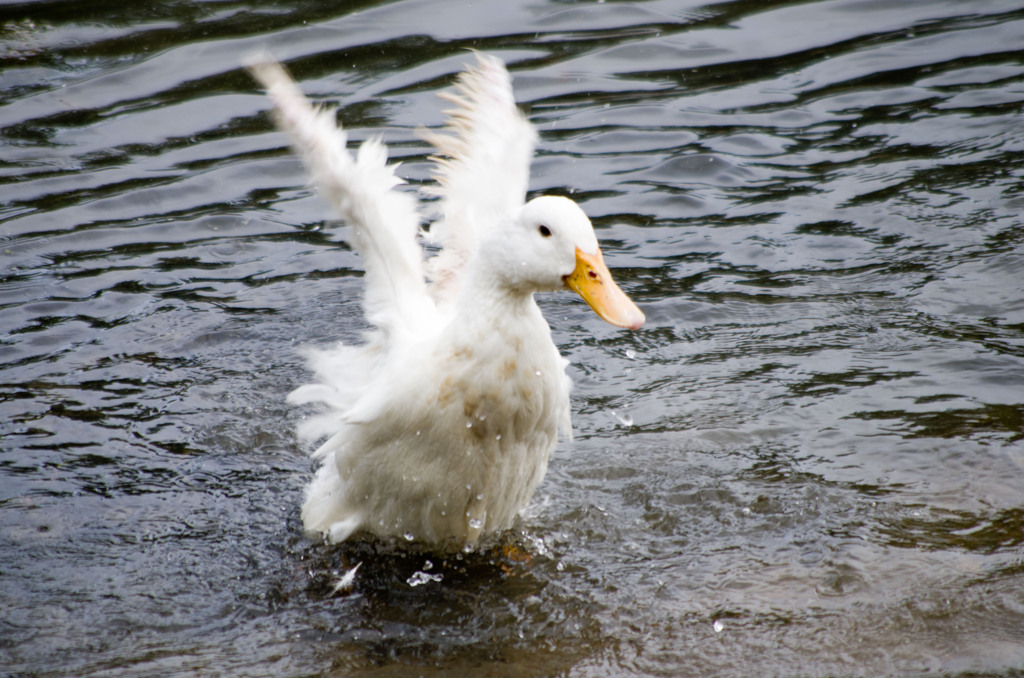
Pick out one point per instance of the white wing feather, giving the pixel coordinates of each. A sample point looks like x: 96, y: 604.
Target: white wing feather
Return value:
x: 384, y: 221
x: 483, y: 168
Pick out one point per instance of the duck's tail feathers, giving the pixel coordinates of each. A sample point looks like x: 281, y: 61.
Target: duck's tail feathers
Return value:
x: 383, y: 220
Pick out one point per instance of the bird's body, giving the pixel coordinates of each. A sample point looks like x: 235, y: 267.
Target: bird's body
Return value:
x: 466, y: 444
x: 439, y: 428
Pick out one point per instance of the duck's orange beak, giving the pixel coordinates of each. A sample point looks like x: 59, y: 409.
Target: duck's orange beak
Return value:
x: 593, y: 281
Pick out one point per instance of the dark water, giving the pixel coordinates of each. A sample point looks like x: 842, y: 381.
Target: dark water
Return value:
x: 810, y: 461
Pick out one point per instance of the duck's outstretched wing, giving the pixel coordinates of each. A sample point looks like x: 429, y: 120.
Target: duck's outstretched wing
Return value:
x: 482, y: 167
x: 384, y: 221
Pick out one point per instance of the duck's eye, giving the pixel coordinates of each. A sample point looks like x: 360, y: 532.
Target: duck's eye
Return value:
x: 544, y: 231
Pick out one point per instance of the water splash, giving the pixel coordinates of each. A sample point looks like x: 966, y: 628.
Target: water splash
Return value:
x: 420, y: 577
x: 624, y: 418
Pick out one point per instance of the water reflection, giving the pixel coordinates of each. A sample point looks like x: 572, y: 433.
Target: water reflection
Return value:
x: 512, y: 603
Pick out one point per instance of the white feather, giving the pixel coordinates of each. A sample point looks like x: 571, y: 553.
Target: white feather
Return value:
x: 384, y: 221
x: 483, y: 168
x: 346, y: 580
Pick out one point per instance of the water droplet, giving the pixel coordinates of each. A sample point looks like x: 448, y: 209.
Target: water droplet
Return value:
x: 497, y: 437
x: 630, y: 353
x: 427, y: 565
x: 718, y: 626
x: 409, y: 536
x: 469, y: 424
x: 417, y: 432
x: 479, y: 497
x: 476, y: 523
x: 418, y: 578
x: 538, y: 373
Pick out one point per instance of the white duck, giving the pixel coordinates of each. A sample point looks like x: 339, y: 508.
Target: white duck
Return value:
x: 439, y: 428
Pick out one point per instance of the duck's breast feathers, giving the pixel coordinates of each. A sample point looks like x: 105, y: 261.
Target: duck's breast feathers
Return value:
x: 501, y: 362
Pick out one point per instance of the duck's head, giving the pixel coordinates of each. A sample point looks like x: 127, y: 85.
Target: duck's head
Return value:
x: 550, y: 244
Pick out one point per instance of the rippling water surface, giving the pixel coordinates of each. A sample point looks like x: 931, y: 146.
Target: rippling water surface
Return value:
x: 810, y: 460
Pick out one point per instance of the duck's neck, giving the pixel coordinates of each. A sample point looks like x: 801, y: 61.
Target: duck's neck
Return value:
x: 490, y: 295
